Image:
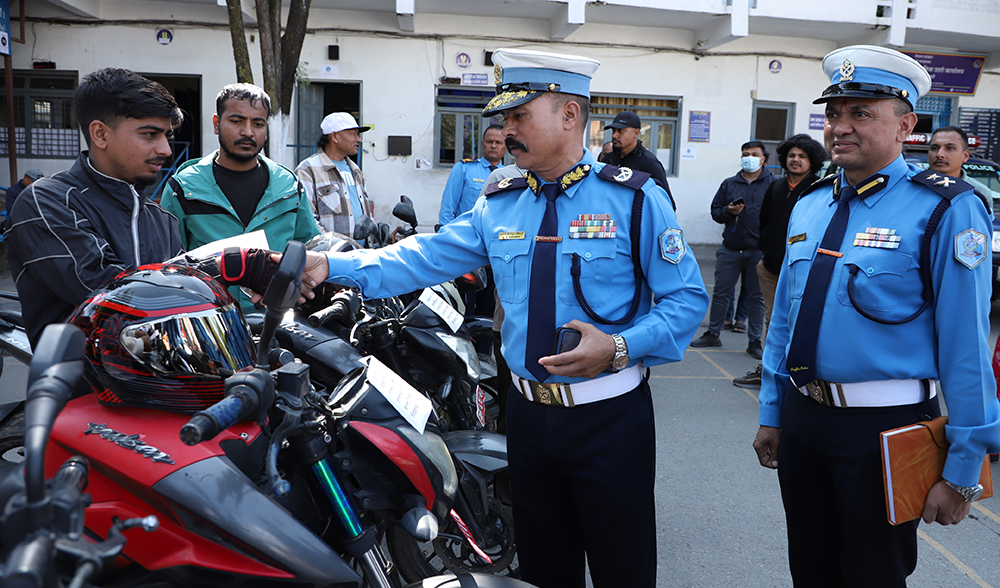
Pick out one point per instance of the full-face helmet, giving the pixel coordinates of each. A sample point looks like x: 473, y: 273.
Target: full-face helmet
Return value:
x: 163, y: 336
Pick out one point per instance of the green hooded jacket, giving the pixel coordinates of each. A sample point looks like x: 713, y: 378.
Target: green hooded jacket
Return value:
x: 204, y: 214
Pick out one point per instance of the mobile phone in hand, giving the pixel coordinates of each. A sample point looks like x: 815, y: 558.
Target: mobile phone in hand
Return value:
x: 566, y: 339
x: 737, y: 201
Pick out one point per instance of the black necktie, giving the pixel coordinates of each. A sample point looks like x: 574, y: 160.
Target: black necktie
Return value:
x: 493, y: 168
x: 801, y: 360
x: 542, y: 290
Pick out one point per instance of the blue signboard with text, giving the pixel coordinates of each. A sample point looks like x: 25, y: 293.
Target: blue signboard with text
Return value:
x: 4, y: 27
x: 951, y: 73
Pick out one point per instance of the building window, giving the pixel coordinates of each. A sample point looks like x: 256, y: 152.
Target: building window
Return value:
x: 772, y: 123
x: 659, y: 116
x: 459, y: 124
x: 43, y: 115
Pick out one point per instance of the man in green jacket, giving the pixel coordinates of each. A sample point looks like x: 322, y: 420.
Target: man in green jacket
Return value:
x: 237, y: 190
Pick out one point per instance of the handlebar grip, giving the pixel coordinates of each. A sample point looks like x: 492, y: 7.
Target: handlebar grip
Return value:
x: 337, y: 310
x: 208, y: 423
x: 30, y: 563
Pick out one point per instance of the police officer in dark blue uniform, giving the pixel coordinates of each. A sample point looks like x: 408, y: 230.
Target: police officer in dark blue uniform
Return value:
x: 567, y: 249
x: 885, y: 296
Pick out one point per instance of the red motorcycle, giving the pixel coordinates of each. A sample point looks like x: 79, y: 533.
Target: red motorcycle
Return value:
x: 269, y: 483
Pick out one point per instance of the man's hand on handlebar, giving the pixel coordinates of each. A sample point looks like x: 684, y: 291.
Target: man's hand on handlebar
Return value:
x: 316, y: 272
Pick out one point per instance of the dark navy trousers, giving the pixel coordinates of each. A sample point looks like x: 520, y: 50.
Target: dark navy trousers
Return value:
x: 830, y: 470
x: 582, y: 486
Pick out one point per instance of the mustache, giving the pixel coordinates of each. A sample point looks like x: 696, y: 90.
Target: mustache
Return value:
x: 513, y: 143
x: 156, y: 161
x: 246, y: 141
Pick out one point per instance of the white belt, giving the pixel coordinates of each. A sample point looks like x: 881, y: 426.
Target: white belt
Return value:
x: 559, y: 394
x: 868, y: 394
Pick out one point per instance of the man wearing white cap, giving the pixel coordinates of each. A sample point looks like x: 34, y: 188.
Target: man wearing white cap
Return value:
x: 566, y: 250
x: 334, y: 184
x: 884, y: 293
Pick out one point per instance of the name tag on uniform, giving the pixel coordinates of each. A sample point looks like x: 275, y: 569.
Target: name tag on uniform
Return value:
x: 512, y: 236
x: 877, y: 238
x: 593, y: 226
x: 478, y: 180
x: 796, y: 238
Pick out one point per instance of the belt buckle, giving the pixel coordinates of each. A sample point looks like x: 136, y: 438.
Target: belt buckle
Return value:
x: 554, y: 394
x: 820, y: 393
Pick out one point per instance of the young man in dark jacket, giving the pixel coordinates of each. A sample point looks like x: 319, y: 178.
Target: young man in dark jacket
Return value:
x: 72, y: 232
x: 737, y: 206
x: 627, y: 150
x: 802, y: 158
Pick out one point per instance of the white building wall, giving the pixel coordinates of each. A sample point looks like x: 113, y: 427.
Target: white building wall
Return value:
x: 399, y: 73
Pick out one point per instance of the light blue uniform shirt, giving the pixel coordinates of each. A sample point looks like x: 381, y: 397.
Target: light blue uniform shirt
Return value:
x: 464, y: 185
x: 500, y: 231
x: 948, y: 341
x: 357, y: 207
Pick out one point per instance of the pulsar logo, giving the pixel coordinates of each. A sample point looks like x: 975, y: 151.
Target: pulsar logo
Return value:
x: 128, y: 442
x: 293, y: 329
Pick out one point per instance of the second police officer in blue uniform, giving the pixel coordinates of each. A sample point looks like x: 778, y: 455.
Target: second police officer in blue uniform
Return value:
x: 885, y: 291
x: 580, y: 432
x: 468, y: 177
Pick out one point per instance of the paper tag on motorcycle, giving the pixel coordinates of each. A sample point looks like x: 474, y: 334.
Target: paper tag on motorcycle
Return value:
x: 441, y: 308
x: 411, y: 404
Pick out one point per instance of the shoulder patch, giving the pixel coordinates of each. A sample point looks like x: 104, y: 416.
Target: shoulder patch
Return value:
x: 970, y: 248
x: 672, y: 246
x: 625, y: 176
x: 505, y: 185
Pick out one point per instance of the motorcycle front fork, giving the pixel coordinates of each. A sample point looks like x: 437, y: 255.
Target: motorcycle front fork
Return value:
x: 361, y: 543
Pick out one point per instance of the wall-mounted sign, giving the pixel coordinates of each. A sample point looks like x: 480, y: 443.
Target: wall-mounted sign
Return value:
x: 699, y: 126
x: 463, y: 60
x: 816, y: 121
x: 4, y: 27
x: 164, y: 36
x: 774, y: 66
x: 475, y: 79
x: 951, y: 73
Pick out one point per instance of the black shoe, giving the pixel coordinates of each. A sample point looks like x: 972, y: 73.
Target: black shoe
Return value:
x: 755, y: 349
x: 751, y: 380
x: 707, y: 340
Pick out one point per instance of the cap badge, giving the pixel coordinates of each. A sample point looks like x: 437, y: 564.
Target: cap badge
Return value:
x: 624, y: 175
x: 497, y: 74
x: 847, y: 71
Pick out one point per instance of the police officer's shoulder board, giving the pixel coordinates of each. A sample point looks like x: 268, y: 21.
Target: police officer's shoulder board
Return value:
x: 468, y: 160
x: 826, y: 180
x: 506, y: 185
x: 625, y: 176
x: 946, y: 186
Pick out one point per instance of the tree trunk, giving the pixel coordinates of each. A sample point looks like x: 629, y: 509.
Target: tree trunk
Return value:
x: 240, y: 52
x: 291, y: 49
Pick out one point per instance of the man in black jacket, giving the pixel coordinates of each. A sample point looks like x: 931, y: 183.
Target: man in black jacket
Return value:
x: 72, y: 232
x: 802, y: 158
x: 737, y: 206
x: 627, y: 150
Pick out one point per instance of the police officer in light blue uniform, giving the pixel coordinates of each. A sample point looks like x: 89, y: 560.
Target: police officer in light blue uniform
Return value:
x: 885, y: 296
x: 580, y: 423
x: 468, y: 177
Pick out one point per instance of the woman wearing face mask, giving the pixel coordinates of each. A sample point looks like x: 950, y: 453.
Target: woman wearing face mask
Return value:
x: 737, y: 206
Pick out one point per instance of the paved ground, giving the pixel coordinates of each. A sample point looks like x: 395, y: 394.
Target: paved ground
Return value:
x: 719, y: 521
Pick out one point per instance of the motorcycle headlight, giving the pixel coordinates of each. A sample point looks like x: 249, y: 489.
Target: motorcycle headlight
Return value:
x: 465, y: 351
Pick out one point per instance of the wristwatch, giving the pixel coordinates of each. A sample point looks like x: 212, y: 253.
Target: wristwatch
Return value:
x: 969, y: 493
x: 620, y: 360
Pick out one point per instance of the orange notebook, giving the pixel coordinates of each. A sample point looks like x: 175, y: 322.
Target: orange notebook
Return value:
x: 912, y: 461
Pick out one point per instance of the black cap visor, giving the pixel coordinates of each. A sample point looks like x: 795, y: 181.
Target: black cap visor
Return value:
x: 860, y: 90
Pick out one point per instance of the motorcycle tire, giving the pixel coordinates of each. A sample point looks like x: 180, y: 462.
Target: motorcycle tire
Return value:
x: 469, y: 581
x: 416, y: 559
x: 12, y: 437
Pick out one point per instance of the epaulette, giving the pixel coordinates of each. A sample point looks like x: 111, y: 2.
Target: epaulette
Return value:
x: 468, y: 160
x: 506, y: 184
x: 946, y: 186
x: 827, y: 179
x: 625, y: 176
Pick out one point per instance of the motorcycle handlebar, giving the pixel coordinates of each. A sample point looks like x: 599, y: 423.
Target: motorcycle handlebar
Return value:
x: 30, y: 562
x: 336, y: 311
x: 239, y: 405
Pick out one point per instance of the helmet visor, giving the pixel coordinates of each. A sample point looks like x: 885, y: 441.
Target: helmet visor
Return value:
x: 212, y: 342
